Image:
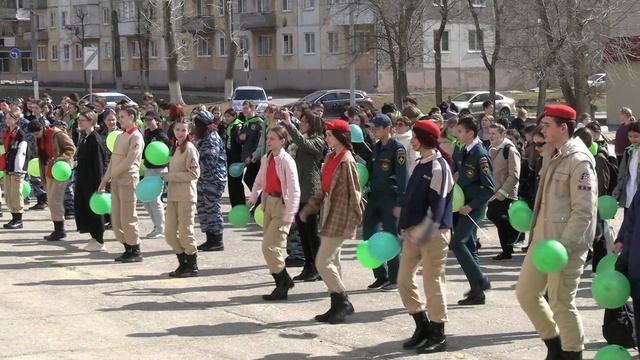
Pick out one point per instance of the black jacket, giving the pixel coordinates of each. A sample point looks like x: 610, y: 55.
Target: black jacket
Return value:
x: 151, y: 136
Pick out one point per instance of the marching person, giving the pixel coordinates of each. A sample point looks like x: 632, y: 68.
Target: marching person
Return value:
x: 233, y: 149
x: 212, y: 180
x: 565, y: 210
x: 277, y: 181
x: 307, y: 149
x: 124, y: 173
x: 506, y: 174
x: 15, y: 163
x: 92, y: 163
x: 154, y: 132
x: 629, y: 171
x: 472, y: 169
x: 53, y: 145
x: 184, y: 171
x: 341, y: 214
x: 428, y: 200
x: 388, y: 177
x: 250, y: 136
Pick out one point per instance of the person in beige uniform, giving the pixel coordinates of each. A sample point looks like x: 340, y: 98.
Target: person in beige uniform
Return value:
x: 184, y: 171
x: 565, y: 210
x: 123, y: 172
x: 53, y: 145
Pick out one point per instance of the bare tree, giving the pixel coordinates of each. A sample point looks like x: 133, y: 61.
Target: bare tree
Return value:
x: 81, y: 13
x: 169, y: 19
x: 115, y: 46
x: 145, y: 16
x: 447, y: 11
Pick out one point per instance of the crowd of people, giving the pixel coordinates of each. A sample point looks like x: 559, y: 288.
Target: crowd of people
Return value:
x: 302, y: 171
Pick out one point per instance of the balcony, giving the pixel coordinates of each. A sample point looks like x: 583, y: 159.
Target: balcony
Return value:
x: 41, y: 35
x: 38, y: 4
x: 128, y: 28
x: 258, y: 21
x: 91, y: 31
x: 199, y: 24
x: 339, y: 16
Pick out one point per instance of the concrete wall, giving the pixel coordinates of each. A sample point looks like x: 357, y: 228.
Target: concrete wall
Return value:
x: 623, y: 87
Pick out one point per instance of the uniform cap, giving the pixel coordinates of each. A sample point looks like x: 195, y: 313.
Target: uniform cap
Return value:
x: 381, y: 120
x: 338, y: 125
x: 428, y: 126
x: 560, y: 111
x: 203, y: 117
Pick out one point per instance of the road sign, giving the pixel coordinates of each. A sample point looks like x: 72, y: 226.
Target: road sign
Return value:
x: 246, y: 62
x: 91, y: 58
x: 14, y: 53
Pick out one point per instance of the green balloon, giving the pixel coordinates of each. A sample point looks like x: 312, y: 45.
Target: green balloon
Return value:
x: 111, y: 139
x: 239, y: 216
x: 520, y: 217
x: 258, y: 216
x: 1, y: 174
x: 458, y: 198
x: 383, y: 246
x: 518, y: 203
x: 33, y: 168
x: 100, y: 203
x: 363, y: 175
x: 236, y: 169
x: 593, y: 149
x: 142, y: 169
x: 607, y: 207
x: 26, y: 189
x: 139, y: 123
x: 550, y: 256
x: 157, y: 153
x: 610, y: 289
x: 607, y: 263
x: 612, y: 352
x: 61, y: 171
x: 364, y: 258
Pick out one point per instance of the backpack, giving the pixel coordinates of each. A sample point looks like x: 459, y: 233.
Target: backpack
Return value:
x: 618, y: 327
x: 612, y: 165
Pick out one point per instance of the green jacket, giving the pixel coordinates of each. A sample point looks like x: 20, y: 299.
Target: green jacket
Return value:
x: 308, y: 153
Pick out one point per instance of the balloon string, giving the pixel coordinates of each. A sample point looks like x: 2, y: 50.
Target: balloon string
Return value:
x: 479, y: 228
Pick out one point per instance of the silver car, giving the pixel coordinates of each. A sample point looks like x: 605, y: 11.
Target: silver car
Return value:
x: 253, y: 93
x: 472, y: 101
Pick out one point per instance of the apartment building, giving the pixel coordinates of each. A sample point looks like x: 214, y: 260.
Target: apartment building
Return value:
x: 14, y: 22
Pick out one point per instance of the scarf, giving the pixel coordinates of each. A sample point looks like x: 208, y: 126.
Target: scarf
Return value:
x: 329, y: 169
x: 177, y: 144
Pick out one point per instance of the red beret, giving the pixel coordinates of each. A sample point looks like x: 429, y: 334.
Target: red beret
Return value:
x: 429, y: 126
x: 339, y: 125
x: 560, y: 111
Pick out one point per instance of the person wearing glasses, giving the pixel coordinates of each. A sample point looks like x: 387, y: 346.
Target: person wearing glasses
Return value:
x: 402, y: 134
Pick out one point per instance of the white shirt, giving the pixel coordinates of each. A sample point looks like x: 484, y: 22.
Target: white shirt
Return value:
x: 632, y: 184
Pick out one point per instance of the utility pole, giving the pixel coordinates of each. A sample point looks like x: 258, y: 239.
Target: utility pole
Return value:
x: 34, y: 53
x: 352, y: 65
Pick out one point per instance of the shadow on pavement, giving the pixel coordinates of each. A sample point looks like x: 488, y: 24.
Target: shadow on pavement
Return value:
x: 226, y: 329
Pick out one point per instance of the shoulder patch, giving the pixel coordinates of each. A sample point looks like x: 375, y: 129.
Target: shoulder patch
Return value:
x: 584, y: 183
x: 401, y: 156
x: 484, y: 166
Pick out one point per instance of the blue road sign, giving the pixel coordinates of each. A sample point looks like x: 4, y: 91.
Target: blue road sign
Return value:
x: 14, y: 53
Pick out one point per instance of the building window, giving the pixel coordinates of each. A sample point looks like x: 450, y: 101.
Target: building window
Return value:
x: 27, y: 61
x: 42, y: 53
x: 106, y: 16
x: 333, y: 42
x: 153, y: 48
x: 474, y: 40
x: 331, y: 3
x: 222, y: 49
x: 309, y: 43
x: 287, y: 44
x: 5, y: 62
x: 53, y: 18
x: 204, y: 49
x: 444, y: 40
x: 106, y: 50
x: 360, y: 42
x: 65, y: 52
x: 478, y: 3
x: 222, y: 7
x: 264, y: 6
x: 135, y: 50
x: 54, y: 52
x: 438, y: 2
x: 78, y: 48
x: 286, y: 5
x: 309, y: 4
x: 244, y: 44
x: 40, y: 22
x: 242, y: 6
x: 264, y: 45
x: 203, y: 7
x: 184, y: 47
x: 63, y: 18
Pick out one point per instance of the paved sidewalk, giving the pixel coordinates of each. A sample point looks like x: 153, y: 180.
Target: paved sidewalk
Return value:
x: 57, y: 302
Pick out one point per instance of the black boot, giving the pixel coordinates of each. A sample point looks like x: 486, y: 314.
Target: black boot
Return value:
x: 312, y: 275
x: 554, y: 349
x: 421, y: 334
x: 214, y: 243
x: 325, y: 317
x: 133, y: 255
x: 127, y: 250
x: 305, y: 272
x: 343, y: 308
x: 572, y: 355
x: 69, y: 214
x: 475, y: 297
x: 41, y: 204
x: 283, y: 284
x: 15, y: 223
x: 190, y: 268
x: 181, y: 264
x: 437, y: 341
x: 58, y: 232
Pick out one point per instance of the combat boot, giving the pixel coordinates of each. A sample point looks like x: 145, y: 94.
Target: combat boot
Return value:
x: 133, y: 255
x: 554, y: 349
x: 181, y: 264
x: 58, y: 232
x: 342, y: 309
x: 214, y: 243
x: 421, y: 333
x: 127, y: 250
x: 572, y: 355
x: 436, y: 342
x: 190, y: 268
x: 15, y: 223
x: 41, y: 204
x: 283, y: 284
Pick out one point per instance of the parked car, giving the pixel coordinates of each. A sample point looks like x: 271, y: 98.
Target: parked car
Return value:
x: 597, y: 80
x: 113, y: 98
x: 472, y: 101
x: 336, y: 101
x: 254, y: 93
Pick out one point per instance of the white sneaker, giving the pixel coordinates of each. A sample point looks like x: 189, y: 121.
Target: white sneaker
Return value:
x: 155, y: 234
x: 94, y: 246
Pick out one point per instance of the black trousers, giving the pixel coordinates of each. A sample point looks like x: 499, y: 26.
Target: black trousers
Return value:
x: 497, y: 213
x: 236, y: 191
x: 636, y: 313
x: 308, y: 236
x: 251, y: 173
